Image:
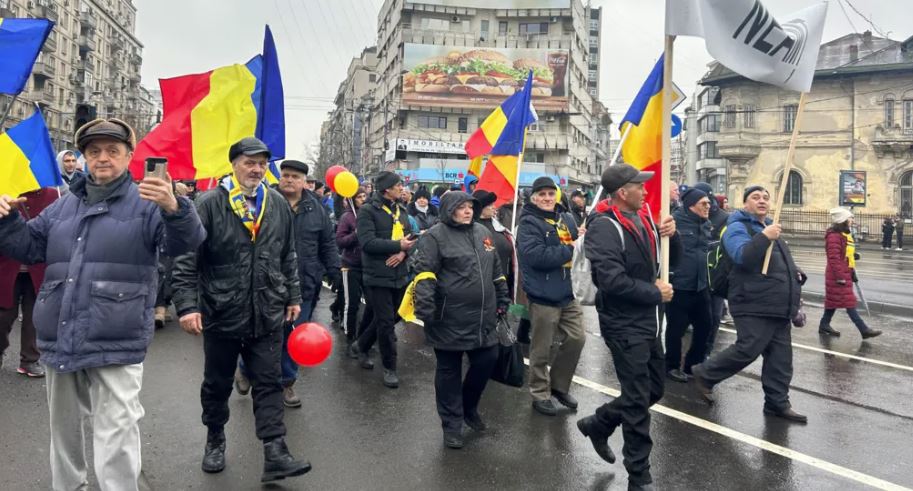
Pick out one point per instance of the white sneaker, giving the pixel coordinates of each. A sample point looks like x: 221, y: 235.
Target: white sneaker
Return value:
x: 898, y: 249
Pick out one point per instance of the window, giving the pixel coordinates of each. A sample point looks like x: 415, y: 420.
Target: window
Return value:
x: 502, y: 28
x: 436, y: 122
x: 793, y: 194
x: 536, y: 127
x: 711, y: 123
x: 594, y: 51
x: 908, y: 115
x: 372, y: 77
x: 889, y: 113
x: 535, y: 28
x: 729, y: 117
x: 748, y: 115
x: 789, y: 117
x: 463, y: 125
x: 708, y: 150
x: 485, y: 25
x: 906, y: 194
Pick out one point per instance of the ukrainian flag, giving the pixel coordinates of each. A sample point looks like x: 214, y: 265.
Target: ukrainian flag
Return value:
x: 20, y: 43
x: 27, y: 160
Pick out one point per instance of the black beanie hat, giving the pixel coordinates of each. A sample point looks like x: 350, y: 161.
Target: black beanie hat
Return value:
x: 485, y: 198
x: 386, y: 180
x: 691, y: 196
x: 421, y: 193
x: 751, y: 189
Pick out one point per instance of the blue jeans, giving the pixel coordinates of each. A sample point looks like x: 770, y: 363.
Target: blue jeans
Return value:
x: 289, y: 367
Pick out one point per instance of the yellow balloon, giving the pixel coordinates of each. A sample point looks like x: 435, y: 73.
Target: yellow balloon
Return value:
x: 346, y: 184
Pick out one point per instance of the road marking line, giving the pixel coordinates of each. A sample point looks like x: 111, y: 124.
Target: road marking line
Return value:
x: 753, y: 441
x: 844, y: 355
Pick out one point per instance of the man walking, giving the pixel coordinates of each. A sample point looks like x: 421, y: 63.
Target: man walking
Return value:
x: 94, y: 310
x: 623, y: 246
x: 385, y: 237
x: 315, y: 247
x: 762, y: 305
x: 239, y: 289
x: 545, y: 247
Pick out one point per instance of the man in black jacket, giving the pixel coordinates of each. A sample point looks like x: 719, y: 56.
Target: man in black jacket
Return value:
x: 239, y: 289
x: 718, y: 218
x: 385, y: 237
x: 691, y: 305
x: 762, y: 305
x: 545, y: 247
x: 623, y: 246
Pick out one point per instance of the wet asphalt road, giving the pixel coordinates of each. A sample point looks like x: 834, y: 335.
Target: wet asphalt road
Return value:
x: 360, y: 435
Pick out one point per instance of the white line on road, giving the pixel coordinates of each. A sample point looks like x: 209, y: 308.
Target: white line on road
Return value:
x: 843, y: 355
x: 755, y: 442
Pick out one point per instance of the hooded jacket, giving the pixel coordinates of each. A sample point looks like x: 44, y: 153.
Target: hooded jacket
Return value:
x: 459, y: 308
x: 67, y: 178
x: 775, y: 294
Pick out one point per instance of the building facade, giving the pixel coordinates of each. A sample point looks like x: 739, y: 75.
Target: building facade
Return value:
x: 89, y: 67
x: 408, y: 128
x: 858, y: 122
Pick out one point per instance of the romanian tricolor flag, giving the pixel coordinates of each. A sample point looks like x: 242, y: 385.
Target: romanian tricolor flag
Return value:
x: 502, y: 136
x: 27, y: 160
x: 20, y: 43
x: 204, y: 114
x: 643, y: 147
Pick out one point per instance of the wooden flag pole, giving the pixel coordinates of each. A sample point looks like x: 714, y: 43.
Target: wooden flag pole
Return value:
x: 624, y: 136
x: 667, y: 153
x: 784, y: 181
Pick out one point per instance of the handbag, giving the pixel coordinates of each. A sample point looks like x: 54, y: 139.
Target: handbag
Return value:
x: 509, y: 369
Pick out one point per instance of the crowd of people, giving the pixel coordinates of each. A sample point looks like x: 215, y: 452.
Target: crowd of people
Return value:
x: 95, y: 267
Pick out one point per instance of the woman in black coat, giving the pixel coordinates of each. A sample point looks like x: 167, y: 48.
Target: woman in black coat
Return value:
x: 459, y: 307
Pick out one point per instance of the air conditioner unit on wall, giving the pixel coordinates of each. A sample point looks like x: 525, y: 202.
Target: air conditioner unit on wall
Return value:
x: 553, y: 20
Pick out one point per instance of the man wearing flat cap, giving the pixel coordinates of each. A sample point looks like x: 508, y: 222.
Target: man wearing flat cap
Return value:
x: 762, y: 307
x: 239, y: 289
x: 315, y: 246
x: 623, y: 246
x: 94, y: 311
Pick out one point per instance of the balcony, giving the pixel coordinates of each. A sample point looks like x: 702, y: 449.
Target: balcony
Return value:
x: 43, y: 69
x: 50, y: 44
x: 47, y: 97
x: 45, y: 10
x: 86, y: 44
x: 6, y: 12
x: 136, y: 59
x: 135, y: 78
x: 118, y: 63
x: 738, y: 144
x: 87, y: 20
x: 895, y: 141
x: 117, y: 45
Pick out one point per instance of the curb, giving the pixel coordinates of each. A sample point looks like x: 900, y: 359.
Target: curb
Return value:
x: 882, y: 308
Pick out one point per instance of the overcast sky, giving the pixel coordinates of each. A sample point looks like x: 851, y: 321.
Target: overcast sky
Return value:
x: 316, y: 39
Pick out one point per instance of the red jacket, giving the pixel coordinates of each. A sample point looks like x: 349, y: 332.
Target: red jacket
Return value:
x: 837, y: 296
x: 9, y: 268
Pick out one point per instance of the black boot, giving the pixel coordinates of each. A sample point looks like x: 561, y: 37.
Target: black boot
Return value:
x: 828, y: 330
x: 599, y: 437
x: 214, y: 455
x: 278, y: 463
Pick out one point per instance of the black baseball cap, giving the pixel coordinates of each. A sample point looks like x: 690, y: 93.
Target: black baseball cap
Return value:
x: 616, y: 176
x: 248, y: 146
x: 543, y: 182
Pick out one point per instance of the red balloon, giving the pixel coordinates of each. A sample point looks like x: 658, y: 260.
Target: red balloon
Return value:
x: 310, y: 344
x: 331, y: 174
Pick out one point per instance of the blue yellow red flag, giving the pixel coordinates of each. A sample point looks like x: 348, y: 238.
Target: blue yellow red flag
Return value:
x: 27, y: 160
x: 643, y: 147
x: 20, y: 43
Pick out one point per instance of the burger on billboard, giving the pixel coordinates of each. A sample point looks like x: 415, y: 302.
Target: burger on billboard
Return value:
x: 482, y: 77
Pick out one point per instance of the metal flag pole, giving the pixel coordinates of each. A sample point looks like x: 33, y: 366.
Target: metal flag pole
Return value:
x: 784, y: 181
x: 667, y: 154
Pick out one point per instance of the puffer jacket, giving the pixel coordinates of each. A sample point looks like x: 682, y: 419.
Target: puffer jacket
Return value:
x: 459, y: 309
x: 241, y: 288
x: 95, y: 307
x: 775, y: 294
x: 544, y: 260
x: 36, y: 202
x: 690, y: 273
x: 315, y: 244
x: 375, y: 229
x: 837, y: 296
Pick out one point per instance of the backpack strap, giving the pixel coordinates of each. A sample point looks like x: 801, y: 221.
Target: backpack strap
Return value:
x: 621, y: 234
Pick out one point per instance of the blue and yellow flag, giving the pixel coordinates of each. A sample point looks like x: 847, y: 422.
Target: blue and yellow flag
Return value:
x: 20, y: 43
x: 27, y: 160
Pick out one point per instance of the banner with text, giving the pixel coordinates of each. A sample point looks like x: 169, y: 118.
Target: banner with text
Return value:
x: 458, y: 76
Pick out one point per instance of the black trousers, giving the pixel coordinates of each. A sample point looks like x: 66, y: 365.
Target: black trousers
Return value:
x: 165, y: 292
x: 261, y: 359
x: 899, y: 238
x: 640, y: 367
x: 886, y: 240
x: 757, y: 336
x: 457, y: 397
x: 717, y: 304
x: 384, y: 302
x: 686, y: 308
x: 23, y: 295
x: 351, y: 291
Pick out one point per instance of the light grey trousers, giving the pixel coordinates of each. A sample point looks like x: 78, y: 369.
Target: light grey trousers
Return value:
x: 110, y: 397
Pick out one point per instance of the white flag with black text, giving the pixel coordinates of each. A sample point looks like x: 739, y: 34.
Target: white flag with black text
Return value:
x: 747, y: 39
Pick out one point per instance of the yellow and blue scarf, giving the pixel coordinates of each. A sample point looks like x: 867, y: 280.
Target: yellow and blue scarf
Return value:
x: 398, y: 231
x: 250, y: 218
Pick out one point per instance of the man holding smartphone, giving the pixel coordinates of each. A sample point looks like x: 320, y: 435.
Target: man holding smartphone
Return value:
x: 93, y: 313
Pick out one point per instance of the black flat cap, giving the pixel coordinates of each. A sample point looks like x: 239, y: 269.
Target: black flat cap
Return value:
x: 295, y: 165
x: 248, y: 146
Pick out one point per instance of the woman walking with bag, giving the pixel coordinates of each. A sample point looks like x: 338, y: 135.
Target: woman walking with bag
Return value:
x: 840, y: 275
x: 459, y: 294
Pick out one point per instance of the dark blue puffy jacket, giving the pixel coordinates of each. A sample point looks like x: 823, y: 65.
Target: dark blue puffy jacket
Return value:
x: 543, y: 257
x: 95, y: 307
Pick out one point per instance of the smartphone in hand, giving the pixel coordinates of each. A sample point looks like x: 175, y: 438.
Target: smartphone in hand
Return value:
x: 157, y: 167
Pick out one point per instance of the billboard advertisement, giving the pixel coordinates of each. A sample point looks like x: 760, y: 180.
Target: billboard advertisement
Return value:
x: 852, y: 188
x: 501, y: 4
x: 460, y: 76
